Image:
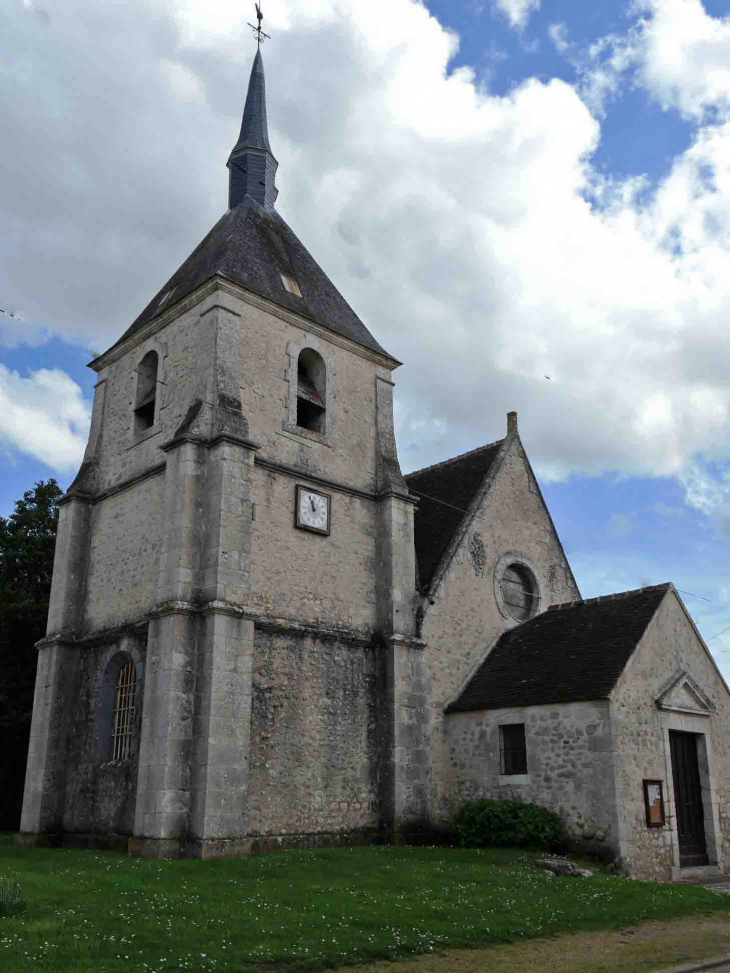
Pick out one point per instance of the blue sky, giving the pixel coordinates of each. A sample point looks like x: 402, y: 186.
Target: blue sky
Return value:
x: 528, y: 203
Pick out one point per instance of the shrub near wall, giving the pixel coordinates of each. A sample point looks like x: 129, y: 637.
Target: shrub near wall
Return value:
x: 485, y: 823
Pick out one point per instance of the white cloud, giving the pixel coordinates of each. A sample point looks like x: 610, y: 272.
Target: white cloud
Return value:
x: 685, y: 56
x: 558, y: 34
x: 185, y: 85
x: 674, y: 50
x: 470, y: 231
x: 44, y: 416
x: 517, y: 12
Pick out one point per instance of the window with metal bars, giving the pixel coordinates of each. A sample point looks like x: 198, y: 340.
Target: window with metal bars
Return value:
x: 123, y: 724
x: 512, y: 748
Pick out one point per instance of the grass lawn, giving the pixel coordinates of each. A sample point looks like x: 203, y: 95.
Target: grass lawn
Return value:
x: 92, y: 912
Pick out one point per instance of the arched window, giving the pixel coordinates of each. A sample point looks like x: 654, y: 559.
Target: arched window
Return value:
x: 123, y: 712
x: 519, y: 591
x: 144, y: 410
x: 311, y: 391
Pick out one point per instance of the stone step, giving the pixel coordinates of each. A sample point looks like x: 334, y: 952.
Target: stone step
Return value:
x: 699, y: 875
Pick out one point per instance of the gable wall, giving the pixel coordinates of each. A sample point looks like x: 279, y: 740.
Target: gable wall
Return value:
x: 569, y: 765
x: 466, y: 618
x: 669, y: 646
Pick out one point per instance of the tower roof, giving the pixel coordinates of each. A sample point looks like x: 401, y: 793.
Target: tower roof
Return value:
x: 251, y: 244
x: 254, y: 247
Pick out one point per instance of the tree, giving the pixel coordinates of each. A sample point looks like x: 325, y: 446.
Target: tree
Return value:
x: 27, y: 543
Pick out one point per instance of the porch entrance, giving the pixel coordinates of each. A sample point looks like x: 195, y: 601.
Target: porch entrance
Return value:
x: 688, y: 800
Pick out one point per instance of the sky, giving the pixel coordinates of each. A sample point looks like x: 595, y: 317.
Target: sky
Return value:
x: 526, y: 201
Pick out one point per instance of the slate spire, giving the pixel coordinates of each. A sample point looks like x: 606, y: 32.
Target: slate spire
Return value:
x: 251, y: 165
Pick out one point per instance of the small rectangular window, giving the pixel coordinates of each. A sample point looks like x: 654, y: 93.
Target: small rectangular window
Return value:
x: 512, y: 748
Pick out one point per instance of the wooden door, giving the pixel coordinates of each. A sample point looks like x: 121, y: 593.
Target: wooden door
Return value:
x: 688, y: 800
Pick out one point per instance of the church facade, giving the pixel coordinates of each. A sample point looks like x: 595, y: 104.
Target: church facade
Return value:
x: 261, y: 634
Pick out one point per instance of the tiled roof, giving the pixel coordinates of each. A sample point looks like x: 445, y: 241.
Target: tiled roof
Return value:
x: 253, y: 247
x: 569, y: 653
x: 444, y: 493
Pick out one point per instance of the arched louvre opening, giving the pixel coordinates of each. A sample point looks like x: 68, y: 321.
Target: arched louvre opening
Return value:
x: 519, y: 592
x: 144, y: 411
x: 311, y: 391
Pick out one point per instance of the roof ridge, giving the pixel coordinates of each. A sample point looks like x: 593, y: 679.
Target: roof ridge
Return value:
x: 665, y: 586
x: 454, y: 459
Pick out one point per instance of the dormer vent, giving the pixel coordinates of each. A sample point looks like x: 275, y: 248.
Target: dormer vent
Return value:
x: 290, y: 285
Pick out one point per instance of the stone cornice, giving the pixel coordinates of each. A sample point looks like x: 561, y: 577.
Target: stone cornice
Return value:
x: 286, y: 626
x: 95, y: 638
x: 283, y: 626
x: 178, y: 607
x: 267, y: 623
x: 127, y: 484
x: 398, y: 495
x: 227, y: 437
x: 404, y: 641
x: 296, y: 473
x: 221, y: 437
x: 249, y: 297
x: 76, y: 495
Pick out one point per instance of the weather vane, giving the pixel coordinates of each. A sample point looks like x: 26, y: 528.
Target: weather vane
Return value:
x: 260, y: 35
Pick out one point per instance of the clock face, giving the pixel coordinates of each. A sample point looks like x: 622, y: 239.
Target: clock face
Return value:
x: 313, y: 510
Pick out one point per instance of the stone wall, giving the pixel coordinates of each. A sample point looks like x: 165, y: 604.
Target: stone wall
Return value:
x: 314, y: 737
x: 169, y: 524
x: 669, y: 647
x: 268, y: 366
x: 569, y: 765
x: 466, y: 617
x: 311, y: 577
x: 286, y: 563
x: 124, y: 555
x: 101, y: 792
x: 119, y: 454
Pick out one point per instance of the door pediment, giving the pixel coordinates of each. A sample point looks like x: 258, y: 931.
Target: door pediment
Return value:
x: 684, y: 695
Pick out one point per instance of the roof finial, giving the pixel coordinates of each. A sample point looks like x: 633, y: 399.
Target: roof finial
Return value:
x: 260, y: 35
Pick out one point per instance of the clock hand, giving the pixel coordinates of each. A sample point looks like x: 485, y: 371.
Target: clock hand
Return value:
x: 314, y: 509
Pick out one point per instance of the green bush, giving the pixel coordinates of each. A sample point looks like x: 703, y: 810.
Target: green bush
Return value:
x: 11, y: 898
x: 485, y: 823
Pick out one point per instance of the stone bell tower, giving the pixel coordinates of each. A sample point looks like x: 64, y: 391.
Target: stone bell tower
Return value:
x: 231, y: 659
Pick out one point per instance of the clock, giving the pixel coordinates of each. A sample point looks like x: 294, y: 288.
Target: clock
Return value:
x: 312, y: 510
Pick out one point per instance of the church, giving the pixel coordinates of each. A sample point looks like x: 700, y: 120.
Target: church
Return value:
x: 262, y: 634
